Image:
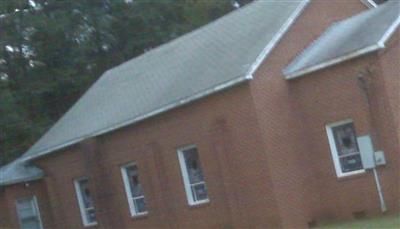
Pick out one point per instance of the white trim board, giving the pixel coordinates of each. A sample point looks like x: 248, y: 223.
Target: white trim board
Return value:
x: 332, y: 62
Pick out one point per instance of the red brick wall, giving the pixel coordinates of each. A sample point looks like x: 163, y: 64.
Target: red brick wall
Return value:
x: 29, y: 189
x: 281, y: 118
x: 335, y: 94
x: 293, y: 115
x: 384, y: 91
x: 390, y: 70
x: 224, y: 128
x: 4, y: 211
x: 330, y: 96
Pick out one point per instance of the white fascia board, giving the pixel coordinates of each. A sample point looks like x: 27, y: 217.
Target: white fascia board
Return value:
x: 20, y: 180
x: 171, y: 106
x: 9, y: 180
x: 389, y: 32
x: 277, y: 37
x: 341, y: 59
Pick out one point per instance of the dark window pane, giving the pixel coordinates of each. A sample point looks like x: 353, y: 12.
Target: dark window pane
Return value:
x: 345, y: 139
x: 351, y: 163
x: 26, y: 213
x: 91, y: 215
x: 200, y: 192
x: 86, y: 194
x: 140, y: 205
x: 380, y: 1
x: 193, y: 165
x: 136, y: 188
x: 87, y: 199
x: 30, y: 224
x: 198, y: 187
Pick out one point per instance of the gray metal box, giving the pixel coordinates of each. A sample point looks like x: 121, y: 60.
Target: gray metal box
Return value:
x: 366, y: 151
x: 380, y: 158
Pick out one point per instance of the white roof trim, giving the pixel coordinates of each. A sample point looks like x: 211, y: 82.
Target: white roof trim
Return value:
x: 20, y: 180
x: 389, y: 32
x: 277, y: 37
x: 380, y: 45
x: 333, y: 61
x: 13, y: 165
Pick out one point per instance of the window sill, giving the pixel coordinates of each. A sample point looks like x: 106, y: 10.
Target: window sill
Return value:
x: 140, y: 216
x: 353, y: 175
x: 199, y: 204
x: 91, y: 224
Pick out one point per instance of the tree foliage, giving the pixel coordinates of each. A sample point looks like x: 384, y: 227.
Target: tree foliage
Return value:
x: 51, y: 51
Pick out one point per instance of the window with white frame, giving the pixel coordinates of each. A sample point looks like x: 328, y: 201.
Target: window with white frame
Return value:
x: 133, y: 189
x: 380, y: 1
x: 28, y: 213
x: 373, y: 3
x: 85, y: 201
x: 195, y: 186
x: 343, y: 143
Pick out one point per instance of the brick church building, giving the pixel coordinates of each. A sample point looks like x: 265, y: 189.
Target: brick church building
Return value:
x: 252, y: 121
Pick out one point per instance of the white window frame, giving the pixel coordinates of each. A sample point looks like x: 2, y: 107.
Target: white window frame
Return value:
x: 335, y: 153
x: 370, y: 3
x: 33, y: 201
x: 82, y: 208
x: 128, y: 191
x: 185, y: 176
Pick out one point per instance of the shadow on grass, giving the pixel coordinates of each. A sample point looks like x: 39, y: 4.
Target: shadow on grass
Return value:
x: 384, y: 222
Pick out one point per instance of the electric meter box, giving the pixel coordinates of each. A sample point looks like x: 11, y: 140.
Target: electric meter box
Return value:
x: 367, y: 151
x: 380, y: 158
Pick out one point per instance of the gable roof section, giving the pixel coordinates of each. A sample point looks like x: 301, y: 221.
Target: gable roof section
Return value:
x: 217, y: 56
x: 347, y: 39
x: 19, y: 171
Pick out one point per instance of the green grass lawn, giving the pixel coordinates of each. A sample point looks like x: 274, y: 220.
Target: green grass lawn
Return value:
x: 386, y: 222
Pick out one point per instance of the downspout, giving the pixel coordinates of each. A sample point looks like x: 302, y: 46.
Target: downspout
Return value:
x: 363, y: 84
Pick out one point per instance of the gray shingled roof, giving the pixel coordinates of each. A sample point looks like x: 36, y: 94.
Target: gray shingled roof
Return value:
x: 214, y: 57
x: 19, y: 171
x: 350, y: 38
